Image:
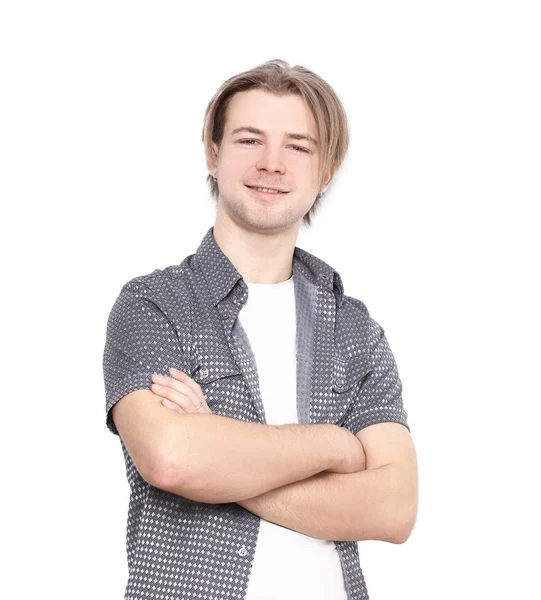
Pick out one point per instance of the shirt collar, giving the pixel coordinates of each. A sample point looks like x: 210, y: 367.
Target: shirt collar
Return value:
x: 221, y: 275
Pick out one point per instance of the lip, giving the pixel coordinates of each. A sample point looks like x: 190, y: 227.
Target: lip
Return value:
x: 267, y: 194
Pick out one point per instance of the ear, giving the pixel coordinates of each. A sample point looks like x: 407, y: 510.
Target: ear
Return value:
x: 327, y: 181
x: 212, y: 162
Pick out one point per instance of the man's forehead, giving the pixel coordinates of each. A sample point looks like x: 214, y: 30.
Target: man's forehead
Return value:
x: 256, y: 112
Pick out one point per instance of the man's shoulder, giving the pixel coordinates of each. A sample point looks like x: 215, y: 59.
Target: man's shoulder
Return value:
x: 353, y: 314
x: 352, y: 304
x: 159, y: 281
x: 356, y: 330
x: 320, y: 266
x: 170, y: 289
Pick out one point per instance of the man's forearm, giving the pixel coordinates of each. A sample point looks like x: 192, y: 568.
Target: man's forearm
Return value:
x: 367, y: 505
x: 214, y: 459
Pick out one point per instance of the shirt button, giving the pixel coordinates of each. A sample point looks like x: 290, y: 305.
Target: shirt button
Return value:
x: 339, y: 383
x: 243, y: 551
x: 204, y: 373
x: 225, y: 315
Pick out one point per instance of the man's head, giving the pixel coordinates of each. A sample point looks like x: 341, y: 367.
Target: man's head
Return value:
x: 276, y: 127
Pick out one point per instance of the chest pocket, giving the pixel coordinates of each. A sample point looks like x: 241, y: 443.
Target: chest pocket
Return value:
x: 348, y: 375
x: 220, y: 378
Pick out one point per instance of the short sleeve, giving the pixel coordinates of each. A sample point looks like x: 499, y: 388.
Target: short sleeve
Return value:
x: 380, y: 394
x: 140, y: 341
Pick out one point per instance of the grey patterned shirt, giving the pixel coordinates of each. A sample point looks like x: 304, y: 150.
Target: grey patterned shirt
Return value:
x: 185, y: 316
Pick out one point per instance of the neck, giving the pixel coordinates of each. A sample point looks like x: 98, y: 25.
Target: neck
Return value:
x: 259, y: 256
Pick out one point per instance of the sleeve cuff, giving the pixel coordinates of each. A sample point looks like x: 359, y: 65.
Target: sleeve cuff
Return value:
x: 377, y: 414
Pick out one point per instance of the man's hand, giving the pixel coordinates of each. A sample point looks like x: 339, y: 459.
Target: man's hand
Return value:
x: 180, y: 393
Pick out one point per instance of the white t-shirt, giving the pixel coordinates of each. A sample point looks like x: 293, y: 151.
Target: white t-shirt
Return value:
x: 287, y: 565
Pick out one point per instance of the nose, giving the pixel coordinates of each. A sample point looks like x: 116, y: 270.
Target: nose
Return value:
x: 270, y: 160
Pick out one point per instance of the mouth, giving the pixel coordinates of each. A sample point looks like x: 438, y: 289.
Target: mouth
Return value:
x: 267, y: 191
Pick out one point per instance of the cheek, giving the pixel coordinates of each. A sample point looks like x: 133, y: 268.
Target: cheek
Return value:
x: 237, y: 156
x: 305, y: 167
x: 233, y: 172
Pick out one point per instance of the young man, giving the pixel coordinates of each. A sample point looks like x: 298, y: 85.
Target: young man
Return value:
x: 259, y: 408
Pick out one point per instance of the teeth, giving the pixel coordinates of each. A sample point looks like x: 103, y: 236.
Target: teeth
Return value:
x: 267, y: 190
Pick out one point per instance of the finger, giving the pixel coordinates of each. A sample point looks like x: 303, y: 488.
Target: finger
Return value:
x: 173, y: 383
x: 172, y: 406
x: 187, y: 380
x: 186, y: 399
x: 173, y: 395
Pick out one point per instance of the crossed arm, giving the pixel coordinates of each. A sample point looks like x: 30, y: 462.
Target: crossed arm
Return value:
x: 378, y: 503
x: 295, y: 477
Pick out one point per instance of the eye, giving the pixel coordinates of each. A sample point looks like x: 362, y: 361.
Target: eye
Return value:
x: 249, y: 143
x: 301, y: 149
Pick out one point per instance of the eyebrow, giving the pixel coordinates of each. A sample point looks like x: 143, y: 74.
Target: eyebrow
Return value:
x: 294, y: 136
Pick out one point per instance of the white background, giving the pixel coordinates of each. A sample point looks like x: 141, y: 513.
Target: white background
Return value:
x: 431, y: 222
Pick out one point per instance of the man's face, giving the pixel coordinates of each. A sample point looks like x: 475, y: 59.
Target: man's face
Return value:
x: 271, y: 157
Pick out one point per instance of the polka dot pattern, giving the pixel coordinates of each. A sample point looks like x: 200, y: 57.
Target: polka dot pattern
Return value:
x: 185, y: 316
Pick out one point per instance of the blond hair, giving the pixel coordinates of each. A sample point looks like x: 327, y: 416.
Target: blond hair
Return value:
x: 277, y: 77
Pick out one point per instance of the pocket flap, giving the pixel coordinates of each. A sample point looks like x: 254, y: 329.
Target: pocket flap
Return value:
x: 210, y: 364
x: 349, y: 372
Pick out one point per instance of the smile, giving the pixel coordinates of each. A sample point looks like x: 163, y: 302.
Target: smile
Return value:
x: 266, y: 191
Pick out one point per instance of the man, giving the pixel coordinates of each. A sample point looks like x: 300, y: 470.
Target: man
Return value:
x: 259, y: 408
